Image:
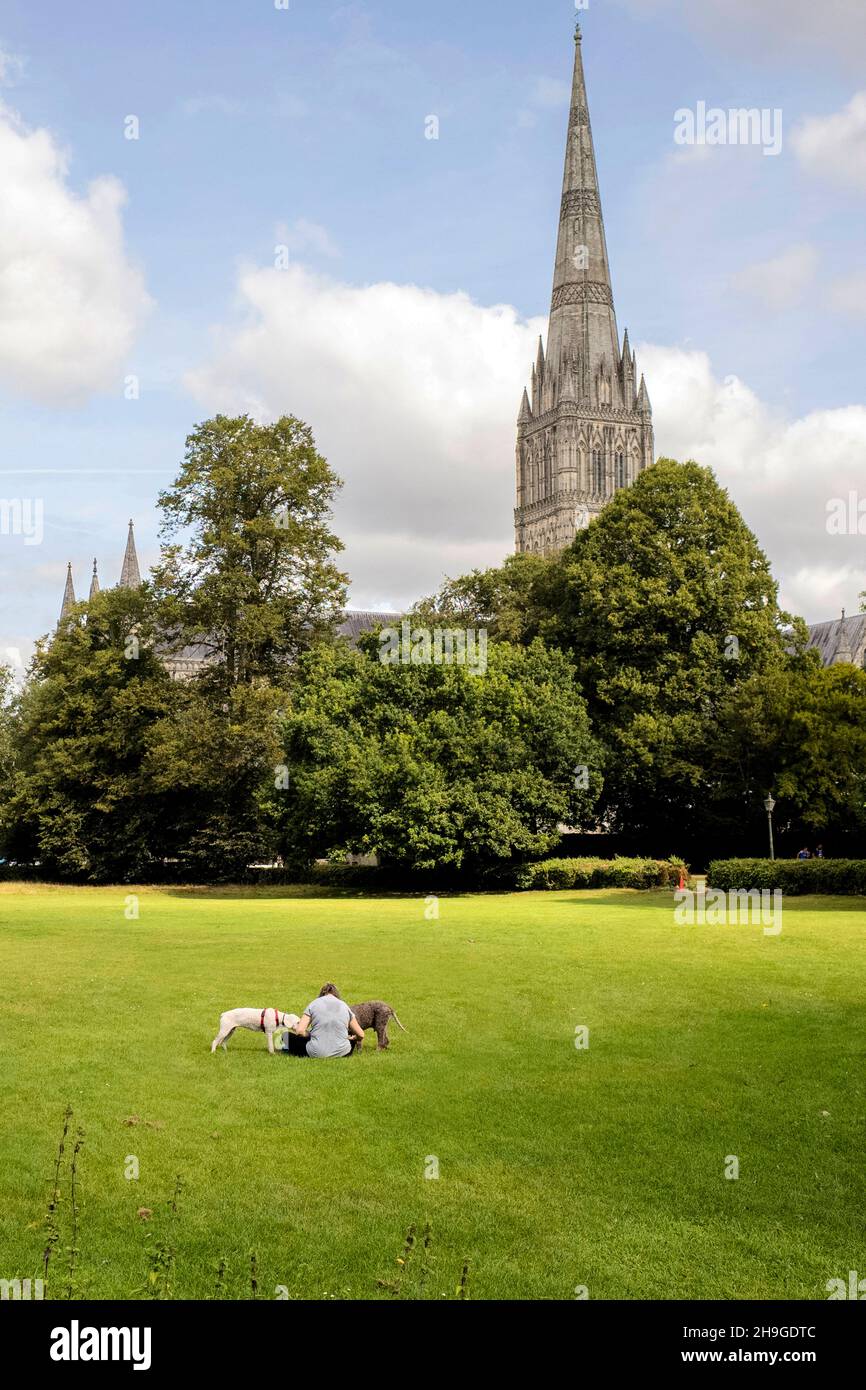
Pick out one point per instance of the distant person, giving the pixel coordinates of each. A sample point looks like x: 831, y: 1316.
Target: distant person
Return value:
x: 804, y: 854
x: 327, y: 1029
x: 819, y: 851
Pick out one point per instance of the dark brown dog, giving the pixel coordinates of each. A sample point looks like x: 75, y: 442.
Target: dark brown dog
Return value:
x: 376, y: 1014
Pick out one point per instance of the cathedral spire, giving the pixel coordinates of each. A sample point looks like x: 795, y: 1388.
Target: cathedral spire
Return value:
x: 68, y: 594
x: 582, y: 316
x: 130, y: 575
x: 590, y: 430
x: 94, y: 583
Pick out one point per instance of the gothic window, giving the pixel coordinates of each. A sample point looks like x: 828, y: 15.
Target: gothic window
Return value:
x: 597, y: 471
x: 621, y: 477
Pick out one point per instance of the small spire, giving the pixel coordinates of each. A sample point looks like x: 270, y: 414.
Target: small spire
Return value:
x: 68, y: 594
x: 540, y: 359
x: 130, y: 575
x: 578, y: 33
x: 643, y: 400
x: 525, y: 409
x: 843, y: 652
x: 94, y: 583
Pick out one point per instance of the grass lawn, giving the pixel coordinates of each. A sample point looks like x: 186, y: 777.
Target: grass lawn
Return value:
x: 558, y: 1168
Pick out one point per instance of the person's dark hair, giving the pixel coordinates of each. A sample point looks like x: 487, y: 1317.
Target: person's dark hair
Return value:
x: 330, y: 989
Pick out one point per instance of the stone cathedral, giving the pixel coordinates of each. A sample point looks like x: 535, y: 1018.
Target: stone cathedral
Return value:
x: 587, y: 429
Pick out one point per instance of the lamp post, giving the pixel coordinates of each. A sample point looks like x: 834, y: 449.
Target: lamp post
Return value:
x: 768, y: 807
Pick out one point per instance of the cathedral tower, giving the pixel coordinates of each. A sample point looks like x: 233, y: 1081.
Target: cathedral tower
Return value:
x: 587, y: 430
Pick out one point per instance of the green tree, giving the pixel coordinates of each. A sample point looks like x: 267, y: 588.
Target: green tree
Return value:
x: 253, y: 577
x: 802, y: 735
x: 8, y: 748
x: 666, y: 604
x: 214, y: 761
x: 81, y: 804
x: 504, y: 602
x: 431, y: 766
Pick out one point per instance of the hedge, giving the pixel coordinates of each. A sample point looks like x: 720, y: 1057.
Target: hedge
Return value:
x: 599, y: 873
x: 792, y: 876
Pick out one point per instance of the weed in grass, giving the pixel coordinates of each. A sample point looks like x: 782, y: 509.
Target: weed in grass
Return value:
x: 74, y: 1204
x: 52, y: 1218
x: 161, y: 1254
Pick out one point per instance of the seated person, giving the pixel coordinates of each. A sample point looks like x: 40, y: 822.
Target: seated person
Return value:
x: 333, y: 1029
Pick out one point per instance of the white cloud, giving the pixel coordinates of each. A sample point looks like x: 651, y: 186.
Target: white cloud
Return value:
x: 12, y: 66
x: 413, y: 396
x: 835, y: 27
x: 70, y: 300
x: 304, y: 236
x: 780, y: 473
x: 835, y: 146
x: 781, y: 282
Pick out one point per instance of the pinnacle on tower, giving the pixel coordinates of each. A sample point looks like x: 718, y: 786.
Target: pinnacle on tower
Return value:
x: 94, y: 583
x: 68, y: 594
x: 525, y: 409
x: 843, y: 652
x: 130, y: 575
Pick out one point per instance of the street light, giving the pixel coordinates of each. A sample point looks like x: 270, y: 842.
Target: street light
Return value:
x: 768, y: 807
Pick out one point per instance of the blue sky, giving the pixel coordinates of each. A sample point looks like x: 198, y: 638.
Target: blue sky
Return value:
x: 261, y: 126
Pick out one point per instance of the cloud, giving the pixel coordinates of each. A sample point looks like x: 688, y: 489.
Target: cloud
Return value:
x: 12, y: 66
x: 413, y: 396
x: 304, y: 236
x: 781, y: 282
x: 835, y: 146
x: 70, y: 300
x: 781, y: 473
x: 835, y: 27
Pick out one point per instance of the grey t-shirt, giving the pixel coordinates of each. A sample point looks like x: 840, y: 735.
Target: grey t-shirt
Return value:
x: 329, y: 1027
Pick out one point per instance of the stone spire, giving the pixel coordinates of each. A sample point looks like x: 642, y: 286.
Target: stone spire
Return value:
x: 582, y: 318
x: 588, y: 430
x: 843, y: 653
x: 130, y: 575
x: 68, y: 594
x: 94, y: 583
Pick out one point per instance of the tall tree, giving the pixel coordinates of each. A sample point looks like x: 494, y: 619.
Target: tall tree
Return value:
x: 666, y: 604
x: 252, y: 575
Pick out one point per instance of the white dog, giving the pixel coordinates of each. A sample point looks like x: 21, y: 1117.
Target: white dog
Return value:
x: 267, y: 1021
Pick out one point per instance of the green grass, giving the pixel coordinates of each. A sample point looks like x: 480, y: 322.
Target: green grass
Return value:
x: 558, y: 1167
